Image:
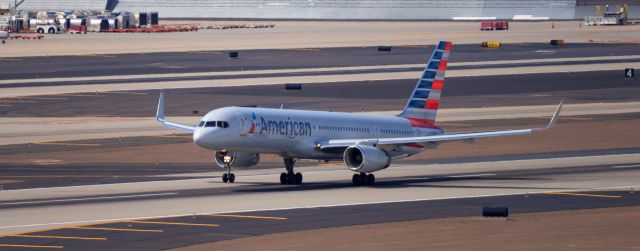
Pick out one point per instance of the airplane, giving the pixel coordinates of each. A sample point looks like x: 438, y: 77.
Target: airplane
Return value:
x: 4, y: 35
x: 365, y: 143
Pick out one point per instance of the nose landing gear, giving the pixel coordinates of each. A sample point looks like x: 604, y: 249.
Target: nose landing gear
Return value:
x: 290, y: 178
x: 228, y: 177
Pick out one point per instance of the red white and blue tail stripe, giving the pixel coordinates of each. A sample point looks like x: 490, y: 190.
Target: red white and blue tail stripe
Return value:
x: 423, y: 105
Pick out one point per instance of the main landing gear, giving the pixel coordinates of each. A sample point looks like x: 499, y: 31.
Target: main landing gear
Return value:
x: 228, y: 176
x: 364, y: 179
x: 290, y: 178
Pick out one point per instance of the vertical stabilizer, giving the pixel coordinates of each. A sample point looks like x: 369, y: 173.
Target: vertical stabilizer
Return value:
x: 422, y: 106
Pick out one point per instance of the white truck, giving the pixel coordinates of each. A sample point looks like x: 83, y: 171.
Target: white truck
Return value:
x: 48, y: 28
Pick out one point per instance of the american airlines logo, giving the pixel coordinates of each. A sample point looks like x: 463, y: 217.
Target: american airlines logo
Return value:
x: 285, y: 128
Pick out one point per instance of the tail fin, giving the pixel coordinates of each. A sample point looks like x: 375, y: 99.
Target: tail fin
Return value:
x: 422, y: 106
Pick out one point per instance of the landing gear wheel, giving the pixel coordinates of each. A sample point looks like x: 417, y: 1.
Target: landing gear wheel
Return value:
x: 290, y: 177
x: 283, y: 178
x: 225, y: 178
x: 298, y: 178
x: 371, y: 180
x: 232, y: 178
x: 363, y: 179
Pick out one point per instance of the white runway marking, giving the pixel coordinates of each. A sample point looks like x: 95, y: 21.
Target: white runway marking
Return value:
x: 85, y: 199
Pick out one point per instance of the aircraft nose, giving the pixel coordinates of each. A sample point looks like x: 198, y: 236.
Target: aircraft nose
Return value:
x: 198, y: 137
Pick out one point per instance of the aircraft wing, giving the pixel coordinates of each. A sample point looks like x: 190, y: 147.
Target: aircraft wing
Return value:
x: 160, y: 118
x: 426, y: 140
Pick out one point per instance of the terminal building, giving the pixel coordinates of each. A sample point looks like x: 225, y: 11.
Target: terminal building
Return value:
x: 341, y: 9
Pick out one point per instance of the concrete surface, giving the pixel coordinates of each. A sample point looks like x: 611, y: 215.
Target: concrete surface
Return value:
x: 313, y: 34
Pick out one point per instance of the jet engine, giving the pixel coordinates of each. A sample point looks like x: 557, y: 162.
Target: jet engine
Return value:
x: 236, y: 159
x: 366, y: 159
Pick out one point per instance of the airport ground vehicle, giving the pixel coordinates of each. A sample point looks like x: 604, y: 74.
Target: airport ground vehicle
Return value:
x: 48, y: 28
x: 366, y: 143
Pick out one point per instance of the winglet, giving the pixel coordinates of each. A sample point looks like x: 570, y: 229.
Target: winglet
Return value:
x: 555, y: 117
x: 160, y: 111
x: 160, y: 117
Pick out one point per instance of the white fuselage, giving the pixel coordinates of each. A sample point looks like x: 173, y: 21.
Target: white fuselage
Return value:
x: 295, y: 133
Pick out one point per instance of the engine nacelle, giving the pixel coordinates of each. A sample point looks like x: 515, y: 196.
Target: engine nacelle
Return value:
x: 366, y: 159
x: 236, y: 159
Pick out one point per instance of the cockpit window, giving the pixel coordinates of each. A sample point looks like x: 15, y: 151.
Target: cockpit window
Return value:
x: 221, y: 124
x: 201, y: 124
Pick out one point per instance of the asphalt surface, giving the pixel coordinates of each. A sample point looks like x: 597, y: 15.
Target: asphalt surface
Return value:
x: 459, y: 92
x: 68, y: 174
x: 207, y: 61
x: 170, y: 232
x: 162, y: 233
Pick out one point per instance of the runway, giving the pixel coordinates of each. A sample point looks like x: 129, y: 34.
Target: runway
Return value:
x: 460, y: 92
x: 83, y: 68
x: 86, y: 75
x: 84, y: 165
x: 181, y: 209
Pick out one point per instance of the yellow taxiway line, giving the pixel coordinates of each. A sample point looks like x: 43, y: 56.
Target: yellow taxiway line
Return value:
x: 119, y: 229
x: 586, y: 195
x: 175, y: 223
x: 247, y: 216
x: 28, y: 246
x: 57, y: 237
